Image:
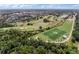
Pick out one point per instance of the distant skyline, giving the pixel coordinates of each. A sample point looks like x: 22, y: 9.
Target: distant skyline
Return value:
x: 39, y: 6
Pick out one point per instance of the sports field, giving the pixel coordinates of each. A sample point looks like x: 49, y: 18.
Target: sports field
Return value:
x: 57, y: 33
x: 54, y: 33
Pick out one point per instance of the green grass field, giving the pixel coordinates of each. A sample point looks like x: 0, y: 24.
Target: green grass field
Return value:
x: 56, y: 33
x: 53, y: 34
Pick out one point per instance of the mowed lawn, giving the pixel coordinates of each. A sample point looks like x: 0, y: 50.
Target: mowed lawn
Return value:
x: 54, y: 33
x: 57, y: 32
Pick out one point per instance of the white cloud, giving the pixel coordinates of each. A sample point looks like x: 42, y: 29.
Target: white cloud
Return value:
x: 39, y: 6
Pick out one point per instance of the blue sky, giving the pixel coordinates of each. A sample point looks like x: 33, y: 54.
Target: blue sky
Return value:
x: 39, y: 6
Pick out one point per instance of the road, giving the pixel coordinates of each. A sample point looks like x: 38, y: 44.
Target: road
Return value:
x: 74, y: 18
x: 78, y: 47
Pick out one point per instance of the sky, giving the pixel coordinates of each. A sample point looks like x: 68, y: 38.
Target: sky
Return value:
x: 39, y: 6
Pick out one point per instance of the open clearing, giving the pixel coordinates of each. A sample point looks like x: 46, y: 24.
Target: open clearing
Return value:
x: 57, y: 33
x: 54, y: 33
x: 35, y: 24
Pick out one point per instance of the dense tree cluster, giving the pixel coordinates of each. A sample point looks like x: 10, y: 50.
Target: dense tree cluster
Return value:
x: 16, y: 41
x: 76, y: 29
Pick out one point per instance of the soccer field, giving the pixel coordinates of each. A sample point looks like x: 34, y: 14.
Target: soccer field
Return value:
x: 56, y: 33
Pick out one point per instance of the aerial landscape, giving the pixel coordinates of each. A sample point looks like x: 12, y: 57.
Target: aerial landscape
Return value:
x: 39, y: 29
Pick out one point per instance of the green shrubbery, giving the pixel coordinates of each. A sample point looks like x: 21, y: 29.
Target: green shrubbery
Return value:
x: 15, y: 41
x: 3, y: 25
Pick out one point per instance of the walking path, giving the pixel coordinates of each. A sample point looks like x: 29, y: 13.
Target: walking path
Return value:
x: 78, y: 47
x: 74, y: 18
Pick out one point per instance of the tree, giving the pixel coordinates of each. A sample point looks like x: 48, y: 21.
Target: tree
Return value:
x: 45, y: 20
x: 40, y: 27
x: 29, y: 24
x: 41, y: 50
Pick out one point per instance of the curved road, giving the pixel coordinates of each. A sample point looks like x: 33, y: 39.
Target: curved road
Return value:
x: 74, y: 18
